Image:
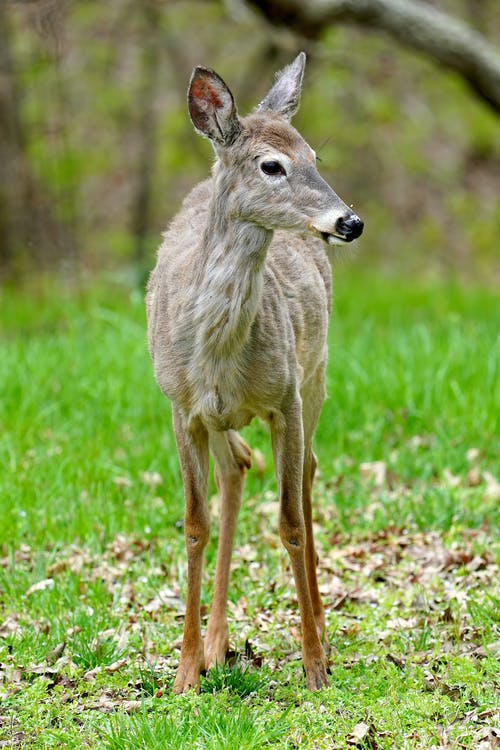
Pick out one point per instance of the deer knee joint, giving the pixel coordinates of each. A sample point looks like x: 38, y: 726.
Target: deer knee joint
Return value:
x: 197, y: 535
x: 293, y: 544
x: 293, y: 537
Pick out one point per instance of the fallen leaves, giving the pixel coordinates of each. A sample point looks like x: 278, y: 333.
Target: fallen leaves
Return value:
x: 23, y: 555
x: 492, y: 489
x: 167, y: 599
x: 359, y: 732
x: 109, y: 702
x: 395, y: 598
x: 115, y: 666
x: 379, y: 477
x: 10, y: 626
x: 151, y: 478
x: 54, y: 654
x: 366, y: 735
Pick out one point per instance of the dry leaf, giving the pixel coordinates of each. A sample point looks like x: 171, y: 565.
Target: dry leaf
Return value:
x: 116, y: 666
x: 452, y: 479
x: 151, y: 478
x: 9, y: 626
x: 399, y: 663
x: 474, y: 478
x: 359, y: 733
x: 56, y: 652
x: 109, y: 703
x: 365, y: 735
x: 41, y: 669
x: 487, y: 738
x: 419, y: 441
x: 166, y: 599
x: 47, y: 583
x: 122, y: 481
x: 492, y: 649
x: 472, y: 455
x: 91, y: 674
x: 492, y: 491
x: 375, y: 471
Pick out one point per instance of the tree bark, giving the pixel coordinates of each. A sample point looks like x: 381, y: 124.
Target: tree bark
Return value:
x: 13, y: 179
x: 148, y: 122
x: 447, y: 40
x: 30, y: 230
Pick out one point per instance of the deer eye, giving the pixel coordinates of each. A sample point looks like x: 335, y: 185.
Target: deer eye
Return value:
x: 272, y: 168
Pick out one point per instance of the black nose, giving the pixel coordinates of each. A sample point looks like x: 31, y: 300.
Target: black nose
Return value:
x: 349, y: 227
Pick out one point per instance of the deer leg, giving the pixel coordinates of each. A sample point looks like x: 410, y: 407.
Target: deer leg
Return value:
x: 193, y: 454
x: 313, y: 397
x: 232, y: 457
x: 311, y: 556
x: 288, y: 446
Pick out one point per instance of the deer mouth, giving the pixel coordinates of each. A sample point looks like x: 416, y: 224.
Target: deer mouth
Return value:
x: 333, y: 239
x: 345, y: 228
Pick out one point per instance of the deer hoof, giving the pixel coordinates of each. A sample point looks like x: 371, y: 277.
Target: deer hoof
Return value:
x: 316, y: 676
x: 188, y: 676
x: 185, y: 682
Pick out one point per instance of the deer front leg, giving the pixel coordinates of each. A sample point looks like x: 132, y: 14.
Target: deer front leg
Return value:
x: 311, y: 556
x: 313, y: 394
x: 288, y: 446
x: 232, y: 457
x: 193, y: 454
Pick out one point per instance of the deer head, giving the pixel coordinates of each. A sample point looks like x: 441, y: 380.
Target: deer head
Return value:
x: 265, y: 170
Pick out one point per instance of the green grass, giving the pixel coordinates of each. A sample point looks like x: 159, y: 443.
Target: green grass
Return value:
x: 92, y: 578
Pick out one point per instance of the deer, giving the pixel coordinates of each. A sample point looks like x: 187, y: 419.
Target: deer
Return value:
x: 238, y: 307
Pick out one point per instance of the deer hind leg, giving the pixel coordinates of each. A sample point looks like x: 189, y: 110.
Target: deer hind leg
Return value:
x: 288, y: 446
x: 193, y: 454
x: 232, y: 457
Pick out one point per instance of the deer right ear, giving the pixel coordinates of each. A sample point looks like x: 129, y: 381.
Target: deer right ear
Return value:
x: 211, y: 107
x: 284, y: 97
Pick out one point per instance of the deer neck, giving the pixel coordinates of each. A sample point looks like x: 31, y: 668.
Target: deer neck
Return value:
x: 230, y: 277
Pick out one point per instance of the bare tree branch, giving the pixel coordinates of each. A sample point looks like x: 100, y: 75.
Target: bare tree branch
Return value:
x: 445, y: 39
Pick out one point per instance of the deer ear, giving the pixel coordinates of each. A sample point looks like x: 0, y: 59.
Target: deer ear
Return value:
x: 211, y: 107
x: 284, y: 97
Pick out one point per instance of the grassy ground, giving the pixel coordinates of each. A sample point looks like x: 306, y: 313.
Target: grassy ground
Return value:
x: 92, y: 573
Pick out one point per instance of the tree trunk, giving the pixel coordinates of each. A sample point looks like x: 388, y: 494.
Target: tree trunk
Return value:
x: 148, y: 120
x: 13, y: 177
x: 29, y: 227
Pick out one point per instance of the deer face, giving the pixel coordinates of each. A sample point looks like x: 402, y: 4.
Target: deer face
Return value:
x: 280, y: 186
x: 267, y: 170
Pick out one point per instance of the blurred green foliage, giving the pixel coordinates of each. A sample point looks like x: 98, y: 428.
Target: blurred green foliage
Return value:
x: 101, y: 98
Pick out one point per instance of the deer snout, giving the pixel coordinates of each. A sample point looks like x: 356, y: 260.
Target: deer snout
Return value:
x: 335, y: 229
x: 349, y: 227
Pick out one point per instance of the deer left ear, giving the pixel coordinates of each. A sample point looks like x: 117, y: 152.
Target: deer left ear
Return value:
x: 211, y: 107
x: 284, y: 97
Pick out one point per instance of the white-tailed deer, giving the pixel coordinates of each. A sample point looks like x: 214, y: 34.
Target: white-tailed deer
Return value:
x: 238, y: 307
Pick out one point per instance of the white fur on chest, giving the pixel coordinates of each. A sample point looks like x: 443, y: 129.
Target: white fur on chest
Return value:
x: 224, y: 299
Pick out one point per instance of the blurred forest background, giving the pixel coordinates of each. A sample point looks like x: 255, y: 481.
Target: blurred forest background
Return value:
x: 97, y: 151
